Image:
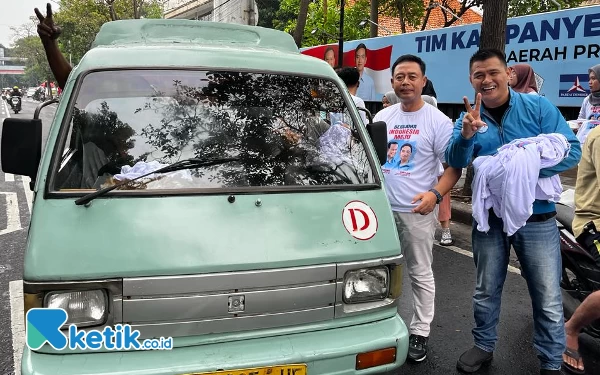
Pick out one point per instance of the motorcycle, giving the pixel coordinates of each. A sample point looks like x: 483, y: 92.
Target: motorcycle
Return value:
x: 15, y: 103
x: 580, y: 274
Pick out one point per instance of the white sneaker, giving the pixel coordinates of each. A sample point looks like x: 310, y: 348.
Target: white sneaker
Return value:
x: 446, y: 238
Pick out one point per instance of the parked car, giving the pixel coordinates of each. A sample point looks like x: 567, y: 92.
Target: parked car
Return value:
x: 30, y: 92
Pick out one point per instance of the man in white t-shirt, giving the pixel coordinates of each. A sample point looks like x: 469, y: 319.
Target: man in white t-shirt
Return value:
x: 422, y: 133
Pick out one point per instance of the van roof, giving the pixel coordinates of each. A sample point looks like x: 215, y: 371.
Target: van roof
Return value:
x: 188, y: 44
x: 191, y: 32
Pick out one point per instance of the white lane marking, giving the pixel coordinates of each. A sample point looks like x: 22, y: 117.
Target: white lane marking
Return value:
x: 13, y: 219
x: 7, y: 110
x: 28, y: 192
x: 9, y: 177
x: 17, y: 325
x: 470, y: 255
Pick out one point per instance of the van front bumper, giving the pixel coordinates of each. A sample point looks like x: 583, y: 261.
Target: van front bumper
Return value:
x: 330, y: 351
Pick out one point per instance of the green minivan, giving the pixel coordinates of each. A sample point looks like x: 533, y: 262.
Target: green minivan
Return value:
x: 207, y: 183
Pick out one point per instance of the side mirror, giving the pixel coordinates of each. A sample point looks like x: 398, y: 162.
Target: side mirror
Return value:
x: 21, y: 148
x: 378, y: 133
x: 369, y: 115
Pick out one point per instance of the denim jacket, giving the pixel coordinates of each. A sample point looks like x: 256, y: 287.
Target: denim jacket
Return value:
x: 526, y: 116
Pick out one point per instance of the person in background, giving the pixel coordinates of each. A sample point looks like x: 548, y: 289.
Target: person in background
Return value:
x: 590, y: 109
x: 522, y: 79
x: 15, y: 92
x: 390, y: 98
x: 430, y: 100
x: 537, y: 243
x: 329, y: 56
x: 589, y: 114
x: 384, y: 101
x: 429, y: 90
x: 351, y: 78
x: 586, y: 313
x: 586, y: 223
x: 445, y: 211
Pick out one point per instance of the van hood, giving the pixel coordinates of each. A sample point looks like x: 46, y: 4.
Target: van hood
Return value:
x: 177, y: 235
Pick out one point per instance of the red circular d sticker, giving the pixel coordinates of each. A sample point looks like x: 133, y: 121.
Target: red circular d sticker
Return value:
x: 359, y: 220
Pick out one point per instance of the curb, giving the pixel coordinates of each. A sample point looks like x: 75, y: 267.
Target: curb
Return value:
x: 461, y: 212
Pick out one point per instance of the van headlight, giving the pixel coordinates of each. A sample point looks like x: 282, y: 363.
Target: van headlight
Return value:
x: 84, y: 308
x: 366, y: 284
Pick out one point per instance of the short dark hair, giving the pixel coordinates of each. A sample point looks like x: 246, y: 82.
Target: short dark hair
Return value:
x: 406, y: 144
x: 350, y: 76
x: 362, y: 45
x: 410, y: 58
x: 390, y: 143
x: 487, y: 53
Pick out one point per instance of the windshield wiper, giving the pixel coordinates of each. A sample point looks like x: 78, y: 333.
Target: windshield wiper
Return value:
x: 177, y: 166
x: 336, y: 172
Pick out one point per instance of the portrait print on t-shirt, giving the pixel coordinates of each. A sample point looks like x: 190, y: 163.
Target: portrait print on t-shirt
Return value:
x: 594, y: 113
x: 401, y: 150
x: 416, y: 146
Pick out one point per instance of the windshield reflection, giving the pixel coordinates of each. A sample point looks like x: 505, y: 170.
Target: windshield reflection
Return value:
x: 285, y: 131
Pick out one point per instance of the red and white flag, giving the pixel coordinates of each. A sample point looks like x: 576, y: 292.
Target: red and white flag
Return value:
x: 377, y: 67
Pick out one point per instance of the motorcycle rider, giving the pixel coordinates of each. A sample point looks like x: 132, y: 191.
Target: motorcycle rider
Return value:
x: 587, y: 212
x: 14, y: 93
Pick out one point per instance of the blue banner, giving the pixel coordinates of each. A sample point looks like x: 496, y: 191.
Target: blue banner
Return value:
x: 560, y: 46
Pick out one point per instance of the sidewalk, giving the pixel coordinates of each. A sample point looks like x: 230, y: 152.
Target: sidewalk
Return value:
x: 461, y: 206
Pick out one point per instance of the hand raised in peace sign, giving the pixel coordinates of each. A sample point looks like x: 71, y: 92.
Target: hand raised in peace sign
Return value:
x: 471, y: 121
x: 46, y: 29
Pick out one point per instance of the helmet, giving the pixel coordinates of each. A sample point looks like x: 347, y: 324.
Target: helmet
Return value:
x: 16, y: 88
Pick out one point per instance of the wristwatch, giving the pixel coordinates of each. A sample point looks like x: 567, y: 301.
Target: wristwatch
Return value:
x: 438, y: 196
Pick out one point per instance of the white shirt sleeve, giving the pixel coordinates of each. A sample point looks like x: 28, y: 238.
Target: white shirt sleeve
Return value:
x: 360, y: 104
x: 584, y: 109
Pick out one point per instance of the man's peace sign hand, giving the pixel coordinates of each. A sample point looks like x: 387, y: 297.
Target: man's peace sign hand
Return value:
x: 46, y: 29
x: 471, y: 122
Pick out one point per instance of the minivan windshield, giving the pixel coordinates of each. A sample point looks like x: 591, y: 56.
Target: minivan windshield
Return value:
x: 281, y: 130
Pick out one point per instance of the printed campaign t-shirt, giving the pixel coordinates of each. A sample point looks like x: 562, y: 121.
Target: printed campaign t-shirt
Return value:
x: 589, y: 111
x: 417, y: 143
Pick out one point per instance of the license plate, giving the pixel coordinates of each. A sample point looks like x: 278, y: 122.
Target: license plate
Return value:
x: 271, y: 370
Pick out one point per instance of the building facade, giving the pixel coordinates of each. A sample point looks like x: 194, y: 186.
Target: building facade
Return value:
x: 244, y: 12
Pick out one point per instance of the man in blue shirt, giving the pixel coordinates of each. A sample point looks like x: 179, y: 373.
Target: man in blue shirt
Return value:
x: 500, y: 116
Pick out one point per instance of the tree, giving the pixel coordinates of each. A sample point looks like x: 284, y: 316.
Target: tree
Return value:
x: 36, y: 69
x: 409, y: 12
x: 524, y: 7
x: 326, y: 24
x: 266, y: 12
x: 493, y: 25
x: 301, y: 23
x: 125, y: 9
x: 226, y: 119
x: 81, y: 20
x: 447, y: 9
x: 374, y: 16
